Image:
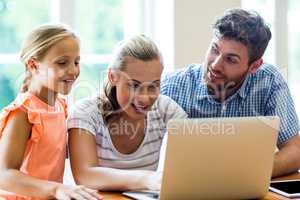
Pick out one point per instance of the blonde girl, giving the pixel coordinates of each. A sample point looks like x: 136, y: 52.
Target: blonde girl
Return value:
x: 33, y: 130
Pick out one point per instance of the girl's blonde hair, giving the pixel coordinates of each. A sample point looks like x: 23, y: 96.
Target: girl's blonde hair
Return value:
x: 139, y: 47
x: 37, y: 44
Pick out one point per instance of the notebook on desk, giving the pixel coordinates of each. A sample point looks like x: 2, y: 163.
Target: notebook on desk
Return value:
x: 217, y: 158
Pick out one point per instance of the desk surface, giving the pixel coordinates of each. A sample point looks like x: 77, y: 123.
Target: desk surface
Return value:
x: 269, y: 196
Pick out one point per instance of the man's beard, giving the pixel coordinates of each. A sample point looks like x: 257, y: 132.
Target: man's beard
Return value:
x: 221, y: 91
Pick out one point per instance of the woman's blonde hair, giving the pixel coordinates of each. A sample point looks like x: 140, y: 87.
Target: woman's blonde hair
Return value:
x: 37, y: 44
x: 139, y: 47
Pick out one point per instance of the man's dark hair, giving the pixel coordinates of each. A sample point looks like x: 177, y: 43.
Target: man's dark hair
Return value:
x: 247, y: 27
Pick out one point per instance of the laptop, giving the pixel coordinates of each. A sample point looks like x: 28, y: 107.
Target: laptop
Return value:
x: 217, y: 158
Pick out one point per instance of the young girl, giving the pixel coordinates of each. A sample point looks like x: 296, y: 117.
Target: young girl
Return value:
x: 33, y: 128
x: 115, y: 140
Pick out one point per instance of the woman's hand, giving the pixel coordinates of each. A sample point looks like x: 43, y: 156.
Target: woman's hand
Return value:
x: 65, y: 192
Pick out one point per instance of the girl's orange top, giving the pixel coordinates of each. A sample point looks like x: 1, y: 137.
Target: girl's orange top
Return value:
x: 46, y: 149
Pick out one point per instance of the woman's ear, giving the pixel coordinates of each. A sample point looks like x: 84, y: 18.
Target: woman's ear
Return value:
x: 255, y: 65
x: 112, y: 76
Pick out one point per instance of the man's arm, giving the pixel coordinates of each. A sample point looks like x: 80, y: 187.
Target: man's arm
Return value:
x: 280, y: 103
x: 287, y: 159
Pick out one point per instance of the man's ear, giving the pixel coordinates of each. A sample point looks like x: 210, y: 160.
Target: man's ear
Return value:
x: 255, y: 65
x: 112, y: 76
x: 32, y: 65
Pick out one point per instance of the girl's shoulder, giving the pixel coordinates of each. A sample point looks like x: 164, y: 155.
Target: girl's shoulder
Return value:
x: 26, y: 102
x: 29, y: 102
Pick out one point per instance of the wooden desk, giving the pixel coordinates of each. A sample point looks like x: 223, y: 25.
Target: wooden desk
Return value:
x: 269, y: 196
x: 113, y: 196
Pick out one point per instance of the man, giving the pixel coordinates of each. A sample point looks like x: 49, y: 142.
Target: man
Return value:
x: 234, y: 81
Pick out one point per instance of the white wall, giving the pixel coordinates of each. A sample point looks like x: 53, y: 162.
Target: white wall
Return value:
x: 193, y: 22
x: 180, y: 28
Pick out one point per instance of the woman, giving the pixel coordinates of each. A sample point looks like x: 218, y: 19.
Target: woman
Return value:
x: 115, y: 139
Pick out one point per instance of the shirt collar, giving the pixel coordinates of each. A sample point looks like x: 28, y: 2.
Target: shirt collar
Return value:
x: 201, y: 89
x: 244, y: 88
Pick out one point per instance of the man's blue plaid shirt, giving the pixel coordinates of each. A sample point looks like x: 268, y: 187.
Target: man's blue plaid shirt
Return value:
x: 264, y: 93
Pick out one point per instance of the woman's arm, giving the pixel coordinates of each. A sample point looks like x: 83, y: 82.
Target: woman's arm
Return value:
x: 86, y: 170
x: 12, y: 148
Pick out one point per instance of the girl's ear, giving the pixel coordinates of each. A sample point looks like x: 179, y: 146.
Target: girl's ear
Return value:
x: 32, y: 65
x: 112, y: 76
x: 255, y: 65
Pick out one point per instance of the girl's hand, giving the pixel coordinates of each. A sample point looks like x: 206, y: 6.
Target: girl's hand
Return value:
x: 153, y: 181
x: 79, y: 192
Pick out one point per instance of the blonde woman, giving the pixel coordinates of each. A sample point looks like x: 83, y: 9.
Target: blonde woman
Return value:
x: 115, y: 139
x: 33, y: 132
